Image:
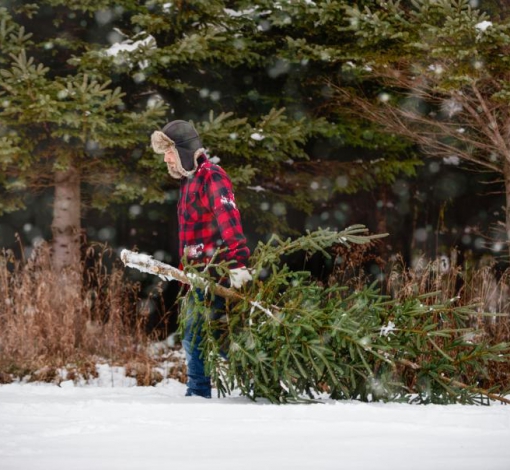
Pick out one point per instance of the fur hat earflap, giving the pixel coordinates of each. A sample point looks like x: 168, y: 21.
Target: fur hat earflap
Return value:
x: 161, y: 143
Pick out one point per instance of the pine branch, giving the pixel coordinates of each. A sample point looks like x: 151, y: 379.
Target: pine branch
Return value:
x: 319, y: 240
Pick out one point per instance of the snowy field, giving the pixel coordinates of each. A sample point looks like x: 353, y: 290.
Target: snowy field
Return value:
x: 114, y: 425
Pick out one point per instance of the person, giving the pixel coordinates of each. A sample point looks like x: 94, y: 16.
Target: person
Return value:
x: 208, y: 221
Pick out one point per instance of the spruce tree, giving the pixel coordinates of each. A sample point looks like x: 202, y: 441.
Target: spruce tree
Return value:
x: 62, y: 126
x: 436, y: 74
x: 251, y: 76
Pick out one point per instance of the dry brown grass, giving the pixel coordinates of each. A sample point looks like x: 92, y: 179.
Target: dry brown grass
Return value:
x: 479, y: 286
x: 70, y: 320
x: 47, y: 325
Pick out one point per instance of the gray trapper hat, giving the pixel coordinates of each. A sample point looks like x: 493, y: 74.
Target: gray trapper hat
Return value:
x: 184, y: 139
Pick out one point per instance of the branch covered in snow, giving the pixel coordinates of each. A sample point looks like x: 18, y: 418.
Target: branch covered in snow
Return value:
x: 147, y: 264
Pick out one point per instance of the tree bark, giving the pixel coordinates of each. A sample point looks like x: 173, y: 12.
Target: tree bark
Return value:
x: 66, y: 225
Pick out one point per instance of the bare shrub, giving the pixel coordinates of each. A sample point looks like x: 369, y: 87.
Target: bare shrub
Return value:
x: 47, y: 323
x: 479, y: 286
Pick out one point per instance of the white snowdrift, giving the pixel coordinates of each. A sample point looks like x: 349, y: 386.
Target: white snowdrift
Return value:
x: 105, y: 427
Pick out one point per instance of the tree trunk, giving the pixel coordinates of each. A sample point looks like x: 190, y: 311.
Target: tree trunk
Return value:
x: 66, y: 219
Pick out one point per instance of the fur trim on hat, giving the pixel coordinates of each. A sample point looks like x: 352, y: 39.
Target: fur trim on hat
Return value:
x: 190, y: 173
x: 161, y: 143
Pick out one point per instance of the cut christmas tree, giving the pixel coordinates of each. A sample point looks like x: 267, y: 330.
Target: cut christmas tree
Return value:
x: 290, y: 338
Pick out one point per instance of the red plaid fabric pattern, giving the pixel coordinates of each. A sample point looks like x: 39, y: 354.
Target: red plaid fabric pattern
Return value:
x: 208, y: 217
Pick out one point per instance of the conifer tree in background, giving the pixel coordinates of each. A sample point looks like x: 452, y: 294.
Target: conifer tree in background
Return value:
x: 250, y: 74
x: 62, y: 127
x: 436, y: 73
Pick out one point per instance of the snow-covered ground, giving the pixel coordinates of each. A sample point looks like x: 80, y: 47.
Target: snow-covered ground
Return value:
x: 113, y: 425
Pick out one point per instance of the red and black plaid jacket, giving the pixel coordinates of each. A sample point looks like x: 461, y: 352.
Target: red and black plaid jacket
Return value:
x: 208, y: 217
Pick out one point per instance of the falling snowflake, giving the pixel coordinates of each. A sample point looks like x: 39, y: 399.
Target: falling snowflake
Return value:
x: 257, y: 136
x: 228, y: 202
x: 386, y: 330
x: 482, y: 26
x: 194, y: 251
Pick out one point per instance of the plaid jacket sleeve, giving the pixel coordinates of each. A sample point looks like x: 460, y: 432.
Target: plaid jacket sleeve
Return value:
x: 218, y: 196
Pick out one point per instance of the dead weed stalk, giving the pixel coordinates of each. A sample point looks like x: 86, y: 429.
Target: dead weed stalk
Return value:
x: 48, y: 323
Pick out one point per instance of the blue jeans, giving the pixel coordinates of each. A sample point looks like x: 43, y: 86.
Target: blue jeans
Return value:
x: 198, y: 383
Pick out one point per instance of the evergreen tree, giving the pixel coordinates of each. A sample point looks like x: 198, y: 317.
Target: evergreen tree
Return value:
x: 435, y: 73
x: 249, y: 74
x: 251, y: 77
x: 62, y: 127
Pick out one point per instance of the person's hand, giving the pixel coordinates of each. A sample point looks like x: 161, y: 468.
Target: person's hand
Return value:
x: 239, y: 277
